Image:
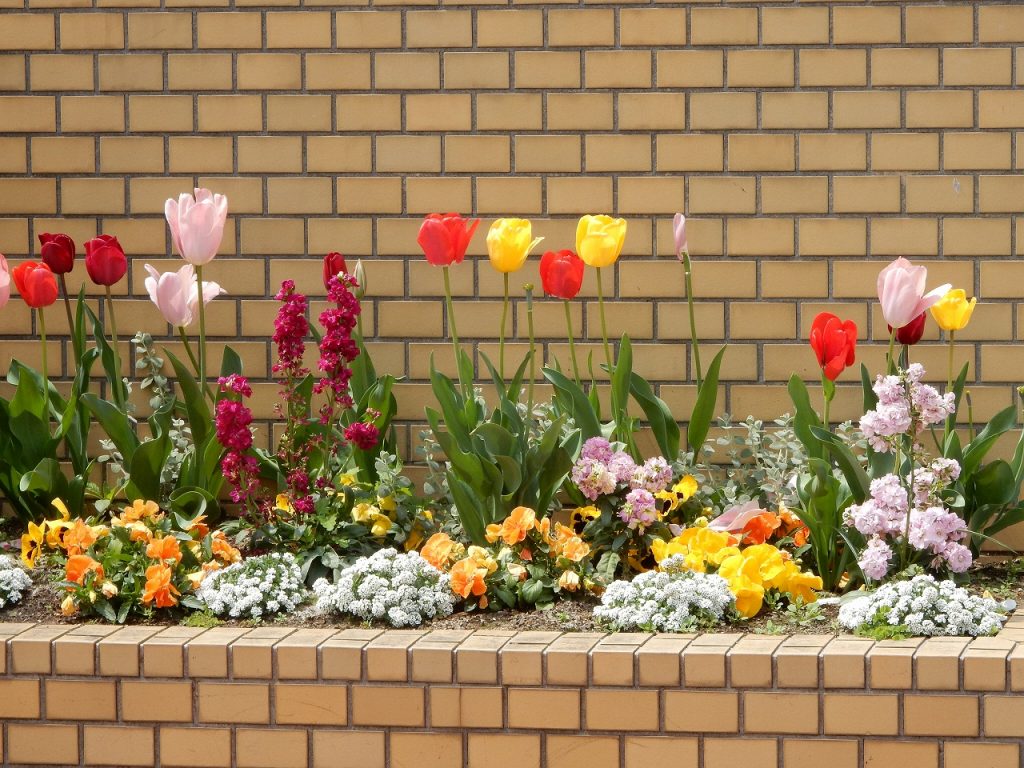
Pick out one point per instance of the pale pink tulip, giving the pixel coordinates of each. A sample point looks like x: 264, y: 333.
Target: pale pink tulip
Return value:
x: 736, y: 518
x: 197, y: 224
x: 5, y: 281
x: 679, y: 232
x: 901, y: 292
x: 176, y: 294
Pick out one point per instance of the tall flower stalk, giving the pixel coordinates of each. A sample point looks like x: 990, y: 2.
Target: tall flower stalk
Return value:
x: 561, y: 275
x: 683, y: 254
x: 509, y: 242
x: 599, y: 241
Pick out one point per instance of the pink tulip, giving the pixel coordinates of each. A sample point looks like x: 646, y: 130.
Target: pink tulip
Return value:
x: 176, y: 294
x: 901, y: 292
x: 197, y: 224
x: 736, y: 518
x: 5, y: 281
x: 679, y: 232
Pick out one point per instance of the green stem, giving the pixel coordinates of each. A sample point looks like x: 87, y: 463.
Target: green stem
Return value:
x: 890, y: 362
x: 688, y: 278
x: 572, y: 344
x: 501, y: 331
x: 604, y: 324
x: 42, y: 335
x: 192, y: 358
x: 451, y: 326
x: 117, y: 384
x: 533, y: 357
x: 202, y: 328
x: 949, y: 377
x: 67, y: 308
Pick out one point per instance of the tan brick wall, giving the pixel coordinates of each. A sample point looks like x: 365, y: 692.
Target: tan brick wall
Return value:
x: 809, y: 144
x: 321, y: 698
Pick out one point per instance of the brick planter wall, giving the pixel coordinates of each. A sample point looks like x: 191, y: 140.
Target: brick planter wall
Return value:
x: 280, y: 697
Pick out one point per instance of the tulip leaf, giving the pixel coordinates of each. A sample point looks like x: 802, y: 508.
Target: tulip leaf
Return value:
x: 855, y: 475
x: 975, y: 451
x: 575, y: 403
x: 474, y: 518
x: 198, y: 411
x: 145, y: 467
x: 870, y: 399
x: 704, y: 408
x: 994, y: 484
x: 805, y: 418
x: 659, y: 416
x: 114, y: 422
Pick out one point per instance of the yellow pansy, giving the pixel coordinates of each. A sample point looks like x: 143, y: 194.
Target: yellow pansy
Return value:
x: 509, y: 242
x: 364, y: 511
x: 678, y: 494
x: 32, y: 544
x: 953, y: 311
x: 284, y: 504
x: 744, y: 579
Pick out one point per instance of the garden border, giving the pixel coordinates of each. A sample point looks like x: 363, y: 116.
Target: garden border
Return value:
x: 365, y: 698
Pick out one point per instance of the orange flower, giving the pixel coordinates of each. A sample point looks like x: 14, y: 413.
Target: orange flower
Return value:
x: 439, y: 550
x: 164, y: 548
x: 759, y: 529
x: 79, y: 537
x: 222, y: 549
x: 575, y: 549
x: 140, y: 510
x: 80, y: 566
x: 198, y: 526
x: 518, y: 524
x: 159, y: 587
x: 467, y: 578
x: 795, y: 527
x: 492, y: 533
x: 139, y: 532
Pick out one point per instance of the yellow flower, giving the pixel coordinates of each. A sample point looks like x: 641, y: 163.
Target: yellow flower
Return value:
x: 799, y: 583
x: 364, y: 512
x: 678, y: 494
x: 387, y: 503
x: 482, y: 558
x: 284, y: 504
x: 381, y: 524
x: 744, y: 582
x: 569, y: 581
x: 347, y: 479
x: 953, y: 311
x: 32, y: 544
x: 599, y: 239
x: 509, y: 242
x: 55, y: 528
x: 69, y: 606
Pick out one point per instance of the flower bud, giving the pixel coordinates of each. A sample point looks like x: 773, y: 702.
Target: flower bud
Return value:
x: 359, y: 273
x: 68, y: 606
x: 109, y: 589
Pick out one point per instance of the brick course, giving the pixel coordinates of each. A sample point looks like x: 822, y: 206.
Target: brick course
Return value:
x: 540, y: 699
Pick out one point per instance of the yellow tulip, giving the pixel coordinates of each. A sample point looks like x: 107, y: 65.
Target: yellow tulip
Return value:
x: 599, y: 239
x: 953, y: 311
x: 509, y: 242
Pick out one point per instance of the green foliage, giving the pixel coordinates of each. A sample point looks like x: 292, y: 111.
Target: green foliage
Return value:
x: 501, y: 459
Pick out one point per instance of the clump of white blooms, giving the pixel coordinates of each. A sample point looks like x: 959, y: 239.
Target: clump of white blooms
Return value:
x: 924, y: 606
x: 402, y: 589
x: 255, y: 587
x: 13, y: 581
x: 673, y: 599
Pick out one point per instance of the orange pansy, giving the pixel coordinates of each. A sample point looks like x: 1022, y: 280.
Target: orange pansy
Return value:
x: 759, y: 529
x: 164, y: 548
x: 439, y: 550
x: 467, y: 578
x: 79, y: 537
x: 222, y: 549
x: 79, y: 566
x: 159, y: 588
x: 517, y: 525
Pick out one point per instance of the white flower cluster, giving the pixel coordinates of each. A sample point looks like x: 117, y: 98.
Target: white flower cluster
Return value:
x: 255, y: 587
x: 670, y: 600
x: 402, y: 589
x: 13, y: 581
x: 924, y: 606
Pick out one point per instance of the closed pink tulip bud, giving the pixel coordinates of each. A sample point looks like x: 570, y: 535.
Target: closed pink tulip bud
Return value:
x: 197, y: 224
x: 176, y: 294
x: 901, y: 292
x: 679, y: 232
x: 5, y: 281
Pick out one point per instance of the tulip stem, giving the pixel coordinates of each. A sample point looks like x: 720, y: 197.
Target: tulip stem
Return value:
x: 501, y: 332
x: 890, y: 361
x: 71, y: 319
x: 604, y: 324
x: 949, y: 378
x: 192, y: 358
x: 117, y: 384
x: 533, y: 358
x: 451, y: 327
x: 688, y: 278
x: 572, y: 344
x: 202, y: 327
x: 42, y: 336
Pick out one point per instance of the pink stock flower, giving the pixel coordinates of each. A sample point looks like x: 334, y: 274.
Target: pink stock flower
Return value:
x: 197, y: 224
x: 901, y: 292
x: 176, y: 294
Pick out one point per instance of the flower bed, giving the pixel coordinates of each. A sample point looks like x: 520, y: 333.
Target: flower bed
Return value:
x: 311, y: 698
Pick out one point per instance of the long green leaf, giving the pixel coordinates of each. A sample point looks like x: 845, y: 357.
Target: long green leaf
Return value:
x: 704, y: 408
x: 114, y: 422
x: 196, y: 407
x: 805, y: 417
x: 574, y: 403
x: 471, y: 512
x: 659, y: 416
x: 975, y: 451
x: 856, y: 477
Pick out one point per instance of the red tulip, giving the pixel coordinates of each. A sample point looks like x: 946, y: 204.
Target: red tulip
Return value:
x: 912, y: 332
x: 834, y: 341
x: 444, y: 239
x: 36, y: 283
x: 333, y: 264
x: 105, y: 260
x: 561, y: 274
x: 57, y: 252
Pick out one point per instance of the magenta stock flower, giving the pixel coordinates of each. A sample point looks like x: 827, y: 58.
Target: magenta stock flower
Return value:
x: 197, y: 224
x: 290, y: 330
x: 901, y: 292
x: 337, y: 348
x: 362, y: 435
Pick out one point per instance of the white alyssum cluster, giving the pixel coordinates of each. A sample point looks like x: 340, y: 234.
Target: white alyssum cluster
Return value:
x: 402, y: 589
x: 670, y: 600
x: 924, y: 606
x: 256, y: 587
x: 13, y: 581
